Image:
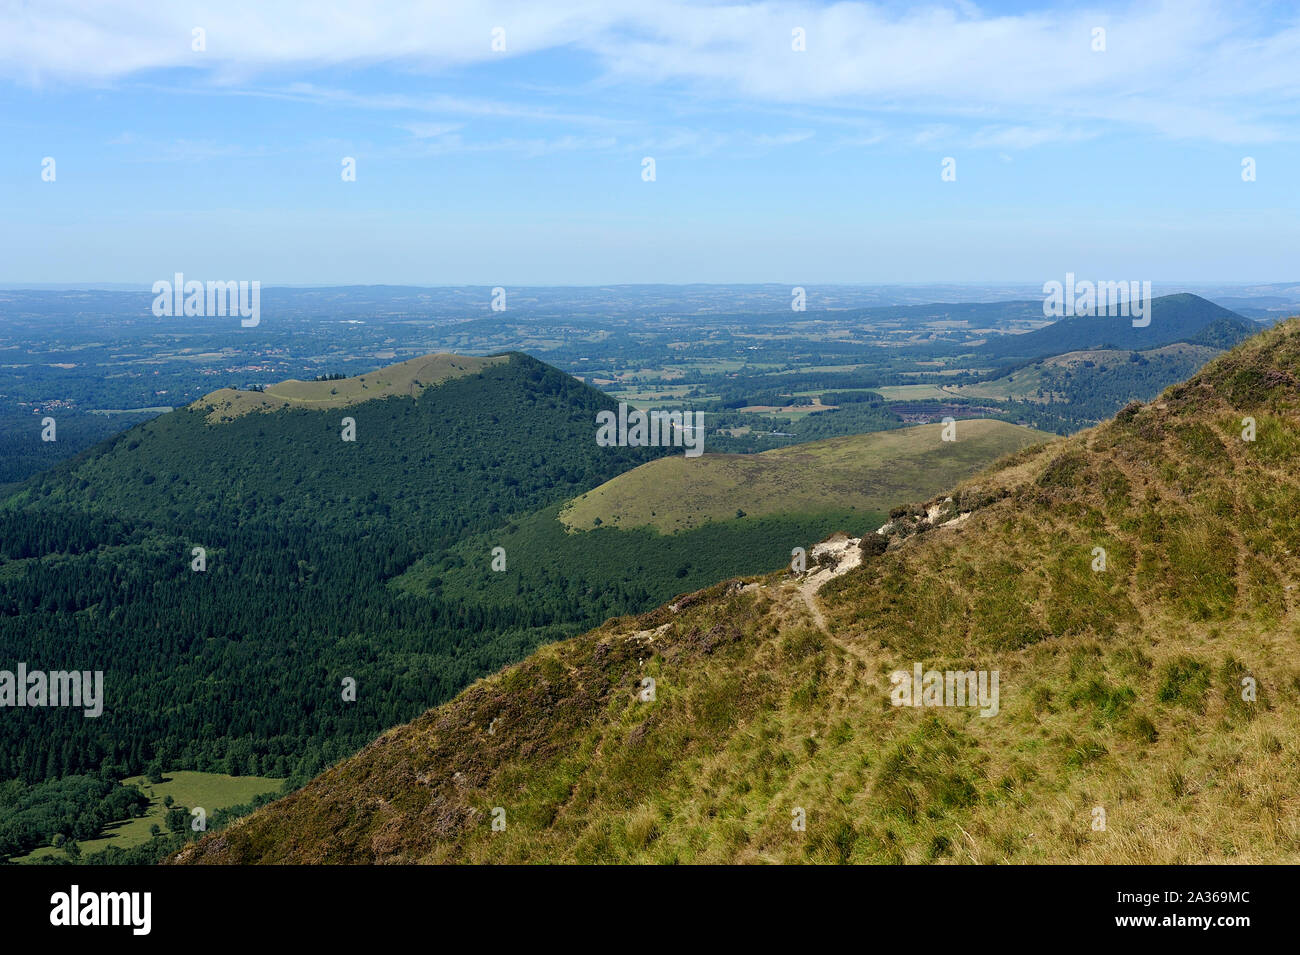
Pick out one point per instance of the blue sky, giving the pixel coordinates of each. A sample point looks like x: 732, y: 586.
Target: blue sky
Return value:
x: 523, y: 166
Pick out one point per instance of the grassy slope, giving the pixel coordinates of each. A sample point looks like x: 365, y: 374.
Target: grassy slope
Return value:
x: 1120, y: 690
x: 870, y: 472
x: 570, y: 581
x: 405, y: 378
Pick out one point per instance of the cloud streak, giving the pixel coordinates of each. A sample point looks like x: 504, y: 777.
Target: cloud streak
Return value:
x: 1195, y: 69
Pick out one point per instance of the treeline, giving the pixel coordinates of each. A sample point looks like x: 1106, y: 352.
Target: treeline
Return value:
x: 168, y: 840
x: 574, y: 581
x: 72, y: 808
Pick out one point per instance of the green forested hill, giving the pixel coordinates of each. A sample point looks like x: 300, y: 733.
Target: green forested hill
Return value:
x: 456, y: 457
x: 1084, y: 387
x: 239, y: 667
x: 1173, y: 318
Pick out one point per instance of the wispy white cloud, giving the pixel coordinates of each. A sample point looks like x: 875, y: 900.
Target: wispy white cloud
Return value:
x: 1027, y: 137
x: 525, y: 147
x: 429, y: 130
x: 436, y: 103
x: 1196, y: 69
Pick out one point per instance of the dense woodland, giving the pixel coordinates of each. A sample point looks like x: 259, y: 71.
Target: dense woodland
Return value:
x: 23, y: 453
x: 589, y: 576
x: 239, y: 668
x: 63, y: 810
x: 1074, y: 398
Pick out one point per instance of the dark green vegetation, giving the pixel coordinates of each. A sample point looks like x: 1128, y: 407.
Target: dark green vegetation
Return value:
x: 587, y: 577
x: 239, y: 668
x: 1174, y: 318
x: 1061, y: 392
x: 1127, y: 689
x: 63, y: 810
x: 23, y: 453
x: 507, y: 440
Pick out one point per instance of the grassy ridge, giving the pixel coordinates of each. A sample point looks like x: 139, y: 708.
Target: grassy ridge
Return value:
x: 405, y: 379
x: 868, y: 472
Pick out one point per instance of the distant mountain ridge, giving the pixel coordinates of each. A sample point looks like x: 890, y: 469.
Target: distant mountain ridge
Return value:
x: 1174, y: 318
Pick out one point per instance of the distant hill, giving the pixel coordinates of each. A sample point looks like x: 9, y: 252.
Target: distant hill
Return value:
x: 1174, y: 318
x: 871, y: 472
x: 1133, y: 586
x: 1083, y: 387
x: 1041, y: 380
x: 446, y: 443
